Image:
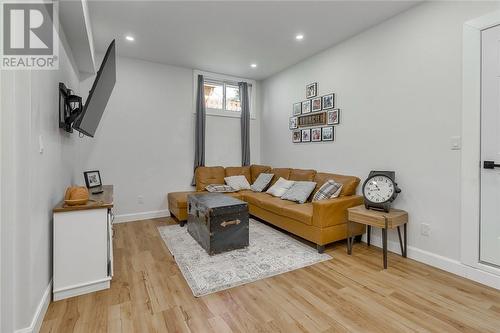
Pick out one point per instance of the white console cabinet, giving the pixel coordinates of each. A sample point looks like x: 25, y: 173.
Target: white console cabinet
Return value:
x: 83, y: 246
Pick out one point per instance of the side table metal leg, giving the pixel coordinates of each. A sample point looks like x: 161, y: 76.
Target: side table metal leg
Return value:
x: 368, y: 234
x: 384, y: 243
x: 405, y: 244
x: 401, y: 242
x: 349, y: 240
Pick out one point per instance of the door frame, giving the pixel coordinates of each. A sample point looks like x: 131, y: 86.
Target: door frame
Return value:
x: 471, y: 141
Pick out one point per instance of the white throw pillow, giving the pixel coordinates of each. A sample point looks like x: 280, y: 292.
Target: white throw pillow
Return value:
x: 238, y: 182
x: 280, y: 187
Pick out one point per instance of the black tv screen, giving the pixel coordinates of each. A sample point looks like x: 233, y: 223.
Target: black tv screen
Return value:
x: 99, y: 95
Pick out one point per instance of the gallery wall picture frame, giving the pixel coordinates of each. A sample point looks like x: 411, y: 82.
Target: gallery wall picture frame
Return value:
x: 316, y: 134
x: 306, y: 135
x: 313, y: 119
x: 297, y: 109
x: 297, y: 136
x: 312, y: 90
x: 328, y: 101
x: 333, y: 117
x: 316, y: 104
x: 306, y: 106
x: 293, y: 123
x: 327, y: 133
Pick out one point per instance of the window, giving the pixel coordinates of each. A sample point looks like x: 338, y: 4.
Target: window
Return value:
x: 220, y: 95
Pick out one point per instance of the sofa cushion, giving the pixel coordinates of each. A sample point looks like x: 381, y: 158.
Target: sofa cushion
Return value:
x: 274, y: 205
x: 255, y: 198
x: 208, y: 175
x: 302, y: 174
x: 237, y: 171
x: 299, y: 192
x: 280, y: 173
x: 280, y: 187
x: 238, y: 182
x: 256, y: 170
x: 300, y: 212
x: 262, y: 182
x: 330, y: 189
x: 349, y: 183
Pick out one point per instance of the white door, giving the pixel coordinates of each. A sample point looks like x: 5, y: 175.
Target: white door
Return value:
x: 490, y: 147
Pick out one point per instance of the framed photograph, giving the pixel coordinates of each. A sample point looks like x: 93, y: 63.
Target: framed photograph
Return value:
x: 329, y: 101
x: 296, y: 136
x: 312, y: 90
x: 316, y: 134
x: 316, y: 104
x: 327, y: 133
x: 306, y: 135
x: 333, y: 117
x: 92, y: 178
x: 293, y: 123
x: 297, y: 109
x: 306, y: 106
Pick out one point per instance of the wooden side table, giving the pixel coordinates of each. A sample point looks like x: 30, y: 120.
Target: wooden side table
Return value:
x: 372, y: 218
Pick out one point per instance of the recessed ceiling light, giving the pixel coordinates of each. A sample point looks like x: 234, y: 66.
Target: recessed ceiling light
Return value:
x: 253, y: 65
x: 299, y: 37
x: 129, y: 38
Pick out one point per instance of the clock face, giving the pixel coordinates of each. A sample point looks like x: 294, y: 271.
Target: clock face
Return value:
x: 379, y: 189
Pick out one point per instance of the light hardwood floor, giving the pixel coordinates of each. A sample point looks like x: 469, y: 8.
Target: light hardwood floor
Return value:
x: 346, y: 294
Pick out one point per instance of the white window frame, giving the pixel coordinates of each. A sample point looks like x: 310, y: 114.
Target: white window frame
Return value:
x: 225, y: 79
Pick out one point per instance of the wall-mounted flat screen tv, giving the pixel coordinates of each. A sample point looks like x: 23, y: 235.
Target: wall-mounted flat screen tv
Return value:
x: 99, y: 95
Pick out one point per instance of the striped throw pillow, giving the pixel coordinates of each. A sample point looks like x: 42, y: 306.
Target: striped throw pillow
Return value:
x: 328, y: 190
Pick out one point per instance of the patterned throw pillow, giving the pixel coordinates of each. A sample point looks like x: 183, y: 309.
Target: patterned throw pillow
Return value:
x: 280, y: 187
x: 238, y: 182
x: 328, y: 190
x: 261, y: 182
x: 299, y: 192
x: 219, y: 188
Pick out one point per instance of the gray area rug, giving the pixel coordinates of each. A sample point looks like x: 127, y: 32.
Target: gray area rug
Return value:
x: 270, y: 253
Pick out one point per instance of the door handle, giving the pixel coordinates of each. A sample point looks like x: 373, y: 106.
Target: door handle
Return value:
x: 490, y: 165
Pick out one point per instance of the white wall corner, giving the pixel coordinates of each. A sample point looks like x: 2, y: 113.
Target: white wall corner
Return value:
x: 41, y: 309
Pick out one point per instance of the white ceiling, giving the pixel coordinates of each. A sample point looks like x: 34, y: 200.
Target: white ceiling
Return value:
x: 226, y: 37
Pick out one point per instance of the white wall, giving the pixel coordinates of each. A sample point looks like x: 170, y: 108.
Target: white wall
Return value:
x: 144, y: 142
x: 32, y: 183
x: 398, y: 86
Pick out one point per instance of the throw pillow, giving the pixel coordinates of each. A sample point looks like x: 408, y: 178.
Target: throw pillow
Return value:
x: 328, y: 190
x: 280, y: 187
x: 238, y: 182
x: 299, y: 192
x: 219, y: 188
x: 261, y: 182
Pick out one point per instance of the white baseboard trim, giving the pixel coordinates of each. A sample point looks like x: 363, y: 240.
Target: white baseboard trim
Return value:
x: 41, y: 309
x: 81, y: 289
x: 141, y: 216
x: 444, y: 263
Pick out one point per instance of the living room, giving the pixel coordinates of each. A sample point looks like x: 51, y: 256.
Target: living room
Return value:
x: 351, y: 141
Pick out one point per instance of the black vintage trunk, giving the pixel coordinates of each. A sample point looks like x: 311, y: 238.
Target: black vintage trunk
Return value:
x: 218, y: 222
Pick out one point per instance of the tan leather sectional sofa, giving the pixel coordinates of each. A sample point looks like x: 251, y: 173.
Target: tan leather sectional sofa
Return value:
x: 320, y: 222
